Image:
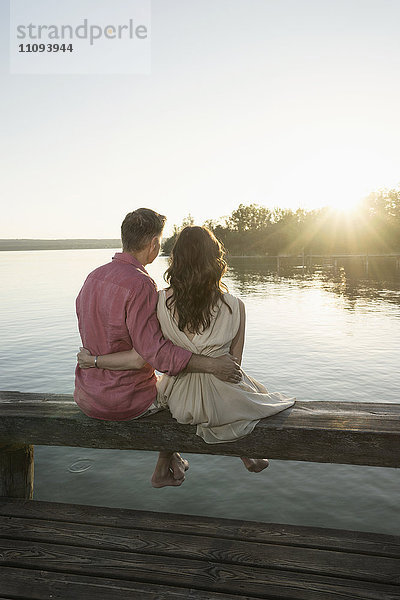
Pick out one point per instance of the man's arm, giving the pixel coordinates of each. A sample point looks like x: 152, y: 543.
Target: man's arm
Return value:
x: 224, y: 367
x: 145, y: 331
x: 148, y: 341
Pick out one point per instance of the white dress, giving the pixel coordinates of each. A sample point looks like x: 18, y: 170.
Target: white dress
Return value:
x: 222, y: 411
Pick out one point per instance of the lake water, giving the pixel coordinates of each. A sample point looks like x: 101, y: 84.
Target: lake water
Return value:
x: 317, y: 337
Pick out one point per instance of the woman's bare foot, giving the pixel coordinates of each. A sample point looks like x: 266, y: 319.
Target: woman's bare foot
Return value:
x: 178, y: 466
x: 164, y: 475
x: 255, y: 465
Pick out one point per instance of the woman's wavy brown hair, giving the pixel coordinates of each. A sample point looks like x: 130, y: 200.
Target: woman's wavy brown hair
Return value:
x: 195, y: 270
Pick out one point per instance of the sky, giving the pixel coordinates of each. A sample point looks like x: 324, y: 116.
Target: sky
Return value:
x: 290, y: 103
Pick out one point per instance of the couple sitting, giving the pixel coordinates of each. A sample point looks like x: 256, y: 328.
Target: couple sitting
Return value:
x: 192, y: 332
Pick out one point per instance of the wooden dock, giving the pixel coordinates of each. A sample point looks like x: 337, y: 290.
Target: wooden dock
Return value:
x: 53, y: 551
x: 73, y: 552
x: 334, y: 261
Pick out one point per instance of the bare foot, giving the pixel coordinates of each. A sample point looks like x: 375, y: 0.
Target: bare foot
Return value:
x: 255, y: 465
x: 159, y: 481
x: 164, y: 473
x: 178, y: 466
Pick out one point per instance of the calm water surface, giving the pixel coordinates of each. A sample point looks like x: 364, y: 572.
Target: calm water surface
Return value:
x: 317, y: 337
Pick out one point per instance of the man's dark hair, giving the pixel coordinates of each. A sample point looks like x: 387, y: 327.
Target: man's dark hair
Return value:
x: 139, y: 227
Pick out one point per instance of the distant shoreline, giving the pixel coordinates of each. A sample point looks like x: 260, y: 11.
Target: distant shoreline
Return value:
x: 86, y: 244
x: 112, y: 244
x: 76, y: 244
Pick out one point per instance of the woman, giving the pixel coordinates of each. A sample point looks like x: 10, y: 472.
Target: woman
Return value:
x: 196, y: 312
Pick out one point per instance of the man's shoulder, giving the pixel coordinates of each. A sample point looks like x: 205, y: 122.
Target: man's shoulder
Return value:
x: 123, y: 275
x: 101, y: 271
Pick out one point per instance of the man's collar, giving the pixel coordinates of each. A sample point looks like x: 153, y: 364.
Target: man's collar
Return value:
x: 128, y: 258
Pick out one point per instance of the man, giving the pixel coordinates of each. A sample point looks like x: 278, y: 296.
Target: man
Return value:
x: 116, y: 310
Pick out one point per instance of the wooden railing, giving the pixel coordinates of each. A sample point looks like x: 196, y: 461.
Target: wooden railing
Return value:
x: 327, y: 432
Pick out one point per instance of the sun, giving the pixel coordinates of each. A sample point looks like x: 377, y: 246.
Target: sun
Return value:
x: 337, y: 178
x: 346, y: 204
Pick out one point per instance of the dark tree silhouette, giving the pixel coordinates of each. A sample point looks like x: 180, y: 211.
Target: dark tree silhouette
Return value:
x: 256, y: 230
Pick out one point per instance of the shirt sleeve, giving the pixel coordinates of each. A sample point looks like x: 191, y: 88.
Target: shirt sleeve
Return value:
x: 146, y: 335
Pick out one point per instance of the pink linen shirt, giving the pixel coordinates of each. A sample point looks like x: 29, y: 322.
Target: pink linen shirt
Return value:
x: 116, y: 311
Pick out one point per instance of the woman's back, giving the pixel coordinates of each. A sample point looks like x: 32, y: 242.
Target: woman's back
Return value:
x: 215, y: 340
x: 222, y: 411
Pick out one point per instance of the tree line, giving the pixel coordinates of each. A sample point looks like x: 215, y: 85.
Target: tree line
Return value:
x: 256, y: 230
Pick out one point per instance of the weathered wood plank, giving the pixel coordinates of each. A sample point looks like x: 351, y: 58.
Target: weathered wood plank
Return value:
x: 203, y: 575
x: 213, y: 566
x: 229, y: 529
x: 16, y: 470
x: 251, y: 554
x: 44, y: 585
x: 334, y: 432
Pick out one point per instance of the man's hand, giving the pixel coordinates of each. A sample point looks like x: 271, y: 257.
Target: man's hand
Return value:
x: 227, y: 368
x: 224, y: 367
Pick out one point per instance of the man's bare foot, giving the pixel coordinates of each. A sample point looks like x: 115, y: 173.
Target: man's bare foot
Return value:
x: 159, y: 481
x: 170, y: 470
x: 178, y: 466
x: 255, y: 465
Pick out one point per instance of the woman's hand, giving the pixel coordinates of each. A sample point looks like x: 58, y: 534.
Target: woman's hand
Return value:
x: 85, y: 359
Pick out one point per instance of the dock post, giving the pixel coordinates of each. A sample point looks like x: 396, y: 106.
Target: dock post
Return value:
x: 16, y: 471
x: 366, y: 265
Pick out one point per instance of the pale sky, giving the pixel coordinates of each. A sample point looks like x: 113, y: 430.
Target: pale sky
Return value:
x: 290, y: 103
